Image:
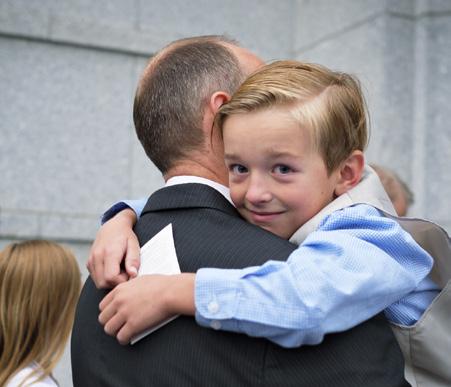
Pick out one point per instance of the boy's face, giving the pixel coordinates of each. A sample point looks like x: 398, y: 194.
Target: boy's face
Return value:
x: 277, y: 180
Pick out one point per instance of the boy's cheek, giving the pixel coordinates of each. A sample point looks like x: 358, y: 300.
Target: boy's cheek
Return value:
x: 237, y: 194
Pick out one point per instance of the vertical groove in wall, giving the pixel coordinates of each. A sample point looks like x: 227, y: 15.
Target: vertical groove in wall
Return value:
x: 137, y: 5
x: 294, y: 11
x: 419, y: 117
x: 131, y: 132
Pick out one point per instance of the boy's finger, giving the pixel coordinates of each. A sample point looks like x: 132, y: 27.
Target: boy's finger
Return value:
x: 112, y: 270
x: 113, y: 325
x: 132, y: 258
x: 97, y: 275
x: 106, y: 301
x: 124, y: 335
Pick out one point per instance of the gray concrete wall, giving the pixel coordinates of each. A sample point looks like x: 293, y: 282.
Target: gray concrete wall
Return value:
x: 68, y: 71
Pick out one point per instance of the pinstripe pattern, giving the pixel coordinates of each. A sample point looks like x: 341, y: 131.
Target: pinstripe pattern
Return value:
x: 208, y: 232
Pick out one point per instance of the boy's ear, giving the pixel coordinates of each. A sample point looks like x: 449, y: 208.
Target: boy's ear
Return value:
x: 217, y: 100
x: 350, y: 172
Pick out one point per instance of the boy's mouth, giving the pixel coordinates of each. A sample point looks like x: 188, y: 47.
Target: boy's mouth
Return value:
x: 263, y: 216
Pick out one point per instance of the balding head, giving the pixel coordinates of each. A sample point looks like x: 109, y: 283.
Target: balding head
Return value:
x: 398, y: 191
x: 249, y: 62
x: 174, y: 90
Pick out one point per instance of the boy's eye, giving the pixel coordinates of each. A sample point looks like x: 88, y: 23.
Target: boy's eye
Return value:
x: 238, y: 169
x: 282, y: 169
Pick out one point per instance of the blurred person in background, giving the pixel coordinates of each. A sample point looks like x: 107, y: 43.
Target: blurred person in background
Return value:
x: 397, y: 190
x: 39, y: 287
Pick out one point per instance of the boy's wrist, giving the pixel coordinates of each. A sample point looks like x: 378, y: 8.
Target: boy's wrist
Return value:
x: 180, y: 294
x: 128, y: 216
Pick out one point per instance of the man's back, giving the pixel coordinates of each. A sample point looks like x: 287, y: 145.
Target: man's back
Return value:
x: 209, y: 233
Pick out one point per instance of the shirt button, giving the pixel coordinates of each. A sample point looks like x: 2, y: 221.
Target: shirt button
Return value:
x: 213, y: 307
x: 215, y: 324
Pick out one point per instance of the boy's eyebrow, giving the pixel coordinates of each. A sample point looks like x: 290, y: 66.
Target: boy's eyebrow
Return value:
x: 277, y: 153
x: 271, y: 154
x: 231, y: 156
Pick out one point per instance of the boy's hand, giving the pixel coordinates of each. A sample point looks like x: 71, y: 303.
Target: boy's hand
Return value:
x: 144, y: 302
x: 115, y: 243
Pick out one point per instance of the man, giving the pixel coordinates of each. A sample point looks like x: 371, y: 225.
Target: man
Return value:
x: 176, y: 101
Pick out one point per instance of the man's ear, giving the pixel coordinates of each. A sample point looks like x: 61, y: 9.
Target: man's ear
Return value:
x: 350, y: 172
x: 217, y: 100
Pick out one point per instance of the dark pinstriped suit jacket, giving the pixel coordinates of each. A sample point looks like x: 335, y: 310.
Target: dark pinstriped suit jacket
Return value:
x: 208, y: 232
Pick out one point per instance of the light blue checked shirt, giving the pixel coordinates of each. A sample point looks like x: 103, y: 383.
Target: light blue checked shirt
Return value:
x: 355, y: 265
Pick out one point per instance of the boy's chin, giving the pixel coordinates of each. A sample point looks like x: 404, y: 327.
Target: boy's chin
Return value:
x: 284, y: 234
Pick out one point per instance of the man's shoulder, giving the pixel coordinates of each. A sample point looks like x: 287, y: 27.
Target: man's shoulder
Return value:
x: 199, y: 207
x: 208, y: 231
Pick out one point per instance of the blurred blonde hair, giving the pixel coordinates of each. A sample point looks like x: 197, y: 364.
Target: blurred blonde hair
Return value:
x: 327, y: 103
x: 39, y: 288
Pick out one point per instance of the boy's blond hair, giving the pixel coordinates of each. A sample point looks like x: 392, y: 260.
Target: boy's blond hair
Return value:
x: 39, y: 288
x: 329, y: 104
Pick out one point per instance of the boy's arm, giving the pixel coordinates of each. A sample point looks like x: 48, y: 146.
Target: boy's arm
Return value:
x: 357, y: 264
x: 339, y: 277
x: 116, y: 246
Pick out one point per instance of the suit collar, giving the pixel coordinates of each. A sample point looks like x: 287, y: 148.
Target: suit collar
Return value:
x: 189, y: 195
x: 184, y: 179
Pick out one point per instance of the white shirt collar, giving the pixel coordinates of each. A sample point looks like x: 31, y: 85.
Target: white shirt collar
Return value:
x: 222, y: 189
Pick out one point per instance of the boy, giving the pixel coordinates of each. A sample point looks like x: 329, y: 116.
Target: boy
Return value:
x: 294, y: 136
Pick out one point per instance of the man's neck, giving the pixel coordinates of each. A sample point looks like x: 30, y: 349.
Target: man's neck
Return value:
x: 194, y: 168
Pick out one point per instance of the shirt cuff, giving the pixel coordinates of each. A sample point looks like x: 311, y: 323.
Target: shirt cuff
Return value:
x: 136, y: 205
x: 216, y: 297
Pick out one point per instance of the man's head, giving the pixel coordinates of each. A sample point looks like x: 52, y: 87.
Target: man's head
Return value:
x: 176, y: 90
x: 397, y: 190
x: 294, y: 135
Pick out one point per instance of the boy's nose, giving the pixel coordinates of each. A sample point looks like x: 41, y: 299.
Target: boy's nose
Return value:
x: 258, y: 191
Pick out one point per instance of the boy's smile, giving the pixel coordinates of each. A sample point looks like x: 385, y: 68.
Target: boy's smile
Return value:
x: 263, y: 216
x: 277, y: 179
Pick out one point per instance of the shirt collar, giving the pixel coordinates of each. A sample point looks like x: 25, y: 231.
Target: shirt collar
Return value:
x: 222, y: 189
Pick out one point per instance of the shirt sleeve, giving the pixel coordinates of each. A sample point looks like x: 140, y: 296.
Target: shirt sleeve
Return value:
x: 135, y: 205
x: 355, y: 265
